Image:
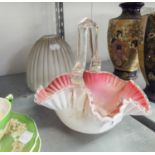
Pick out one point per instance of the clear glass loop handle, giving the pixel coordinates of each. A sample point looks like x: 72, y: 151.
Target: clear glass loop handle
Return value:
x: 95, y: 64
x: 87, y: 42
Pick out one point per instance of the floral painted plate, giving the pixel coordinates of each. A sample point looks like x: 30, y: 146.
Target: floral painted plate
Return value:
x: 21, y: 136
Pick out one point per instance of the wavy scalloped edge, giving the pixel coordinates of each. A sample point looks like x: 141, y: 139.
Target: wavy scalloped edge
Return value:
x: 148, y: 108
x: 122, y: 109
x: 147, y: 100
x: 48, y: 95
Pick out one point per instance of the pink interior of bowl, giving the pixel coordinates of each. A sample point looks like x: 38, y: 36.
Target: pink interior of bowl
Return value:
x: 59, y: 83
x: 108, y: 91
x: 4, y: 108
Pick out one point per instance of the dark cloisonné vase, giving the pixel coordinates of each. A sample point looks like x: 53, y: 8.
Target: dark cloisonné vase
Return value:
x: 125, y: 39
x: 147, y: 58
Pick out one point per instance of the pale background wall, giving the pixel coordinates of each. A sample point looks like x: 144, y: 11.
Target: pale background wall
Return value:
x: 21, y: 24
x: 101, y: 13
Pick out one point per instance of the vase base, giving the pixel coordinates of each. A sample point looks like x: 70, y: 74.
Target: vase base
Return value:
x: 125, y: 75
x: 150, y: 94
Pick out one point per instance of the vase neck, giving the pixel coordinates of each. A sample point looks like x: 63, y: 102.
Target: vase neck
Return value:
x: 131, y: 9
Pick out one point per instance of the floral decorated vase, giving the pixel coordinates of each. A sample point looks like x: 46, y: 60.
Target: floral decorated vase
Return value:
x: 125, y: 40
x: 147, y: 58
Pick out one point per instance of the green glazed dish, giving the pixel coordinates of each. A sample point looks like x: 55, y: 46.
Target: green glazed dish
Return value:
x: 11, y: 141
x: 37, y: 146
x: 5, y: 113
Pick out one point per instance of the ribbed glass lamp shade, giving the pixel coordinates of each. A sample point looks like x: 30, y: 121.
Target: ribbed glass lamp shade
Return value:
x: 50, y: 56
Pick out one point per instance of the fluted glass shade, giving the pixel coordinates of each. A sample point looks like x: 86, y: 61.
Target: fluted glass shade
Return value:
x: 50, y: 56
